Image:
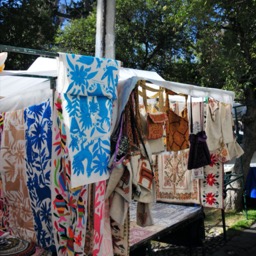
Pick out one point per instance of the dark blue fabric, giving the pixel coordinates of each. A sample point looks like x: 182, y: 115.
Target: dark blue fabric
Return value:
x: 250, y: 185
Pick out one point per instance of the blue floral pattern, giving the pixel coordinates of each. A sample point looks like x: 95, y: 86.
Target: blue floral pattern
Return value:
x: 88, y: 88
x: 38, y: 123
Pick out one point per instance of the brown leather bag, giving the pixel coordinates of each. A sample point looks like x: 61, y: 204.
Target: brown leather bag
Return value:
x: 155, y: 125
x: 177, y: 128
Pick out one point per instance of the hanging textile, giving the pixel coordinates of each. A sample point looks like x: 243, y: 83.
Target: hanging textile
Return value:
x: 38, y: 125
x: 88, y: 87
x: 211, y: 187
x: 218, y: 124
x: 120, y: 236
x: 107, y: 244
x: 12, y: 163
x: 1, y: 126
x: 69, y: 206
x: 99, y: 213
x: 89, y: 238
x: 174, y: 182
x: 4, y: 215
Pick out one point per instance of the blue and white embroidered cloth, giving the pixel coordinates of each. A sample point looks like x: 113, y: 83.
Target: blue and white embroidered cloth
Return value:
x: 88, y: 87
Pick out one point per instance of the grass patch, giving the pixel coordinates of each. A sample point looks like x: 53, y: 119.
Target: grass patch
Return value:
x: 245, y: 223
x: 235, y: 221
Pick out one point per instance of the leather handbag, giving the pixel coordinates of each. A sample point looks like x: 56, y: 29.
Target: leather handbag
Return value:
x: 177, y: 128
x: 155, y: 125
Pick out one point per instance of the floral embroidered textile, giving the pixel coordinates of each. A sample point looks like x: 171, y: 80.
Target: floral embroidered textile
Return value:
x: 16, y: 196
x: 38, y: 124
x: 69, y: 206
x: 88, y: 89
x: 212, y: 185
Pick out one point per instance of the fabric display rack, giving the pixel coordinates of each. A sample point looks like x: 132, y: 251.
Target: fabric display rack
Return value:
x: 94, y: 157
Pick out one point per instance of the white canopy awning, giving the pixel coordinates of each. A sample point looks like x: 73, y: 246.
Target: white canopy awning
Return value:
x: 15, y: 88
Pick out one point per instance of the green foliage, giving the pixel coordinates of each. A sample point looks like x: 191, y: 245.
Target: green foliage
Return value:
x: 243, y: 223
x: 150, y: 36
x: 28, y: 24
x: 224, y: 35
x: 78, y: 36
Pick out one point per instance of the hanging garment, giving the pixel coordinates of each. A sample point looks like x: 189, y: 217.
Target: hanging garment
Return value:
x: 69, y: 206
x: 218, y: 124
x: 89, y: 238
x: 3, y: 204
x: 1, y: 126
x: 16, y: 194
x: 177, y: 130
x: 38, y: 126
x: 174, y: 183
x: 211, y: 187
x: 234, y: 149
x: 99, y: 220
x: 120, y: 236
x: 107, y: 243
x: 88, y: 88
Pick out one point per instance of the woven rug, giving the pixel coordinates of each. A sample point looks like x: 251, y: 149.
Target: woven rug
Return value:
x: 17, y: 247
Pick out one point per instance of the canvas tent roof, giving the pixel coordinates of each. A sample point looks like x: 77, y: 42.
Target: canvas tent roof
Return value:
x: 17, y: 89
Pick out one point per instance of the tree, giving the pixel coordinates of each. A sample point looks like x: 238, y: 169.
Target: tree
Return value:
x: 28, y: 24
x: 34, y: 24
x: 78, y: 36
x: 150, y: 36
x: 224, y: 34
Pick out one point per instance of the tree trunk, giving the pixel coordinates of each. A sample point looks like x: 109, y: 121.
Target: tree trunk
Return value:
x: 234, y: 199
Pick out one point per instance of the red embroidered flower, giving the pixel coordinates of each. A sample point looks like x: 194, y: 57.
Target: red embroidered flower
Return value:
x: 210, y: 198
x: 214, y: 160
x: 210, y: 179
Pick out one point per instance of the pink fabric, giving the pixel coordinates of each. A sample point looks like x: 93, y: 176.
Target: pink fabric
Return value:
x: 107, y: 238
x: 99, y: 213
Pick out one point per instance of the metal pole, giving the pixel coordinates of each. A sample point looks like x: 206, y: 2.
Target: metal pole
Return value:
x: 105, y: 29
x: 110, y: 29
x: 100, y: 23
x: 224, y: 224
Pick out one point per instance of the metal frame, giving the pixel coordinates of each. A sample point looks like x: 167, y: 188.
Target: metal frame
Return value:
x: 230, y: 178
x: 29, y: 51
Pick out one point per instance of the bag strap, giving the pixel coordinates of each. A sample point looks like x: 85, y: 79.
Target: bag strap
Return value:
x: 201, y: 112
x: 191, y: 116
x: 143, y: 93
x: 167, y: 103
x: 120, y: 133
x: 202, y: 115
x: 135, y: 122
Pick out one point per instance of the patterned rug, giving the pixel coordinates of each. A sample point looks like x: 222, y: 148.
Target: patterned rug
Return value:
x: 17, y: 247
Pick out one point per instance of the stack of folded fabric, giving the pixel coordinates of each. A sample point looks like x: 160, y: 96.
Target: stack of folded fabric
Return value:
x: 15, y: 246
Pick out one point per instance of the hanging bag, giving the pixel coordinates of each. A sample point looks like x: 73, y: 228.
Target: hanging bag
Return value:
x: 155, y: 125
x: 199, y: 154
x: 177, y: 128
